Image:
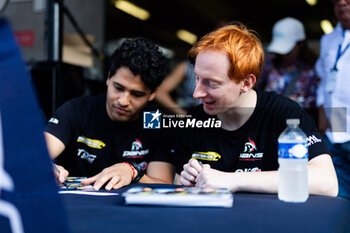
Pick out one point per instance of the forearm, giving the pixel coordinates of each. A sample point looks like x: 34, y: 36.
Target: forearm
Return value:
x: 260, y: 182
x: 267, y: 182
x: 322, y: 179
x: 169, y: 84
x: 149, y: 179
x: 165, y: 100
x: 159, y: 172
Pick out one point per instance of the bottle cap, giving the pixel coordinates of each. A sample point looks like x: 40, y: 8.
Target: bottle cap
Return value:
x: 293, y: 121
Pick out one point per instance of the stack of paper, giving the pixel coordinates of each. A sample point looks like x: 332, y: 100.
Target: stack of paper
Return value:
x: 188, y: 196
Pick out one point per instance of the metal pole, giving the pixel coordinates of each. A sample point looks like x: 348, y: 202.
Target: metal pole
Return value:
x: 54, y: 30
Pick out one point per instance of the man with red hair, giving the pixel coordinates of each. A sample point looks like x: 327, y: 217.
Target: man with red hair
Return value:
x: 242, y: 154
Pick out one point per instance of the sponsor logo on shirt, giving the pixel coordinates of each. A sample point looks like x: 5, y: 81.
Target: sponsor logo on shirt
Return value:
x: 136, y: 145
x: 83, y: 154
x: 312, y: 140
x: 93, y: 143
x: 136, y: 150
x: 53, y: 120
x: 209, y: 155
x: 254, y: 169
x: 249, y: 153
x: 249, y: 146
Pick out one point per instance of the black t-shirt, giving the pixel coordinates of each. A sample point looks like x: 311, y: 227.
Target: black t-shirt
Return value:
x: 253, y: 147
x: 93, y: 141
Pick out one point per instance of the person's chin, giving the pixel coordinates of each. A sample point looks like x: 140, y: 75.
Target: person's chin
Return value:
x: 122, y: 117
x: 210, y: 110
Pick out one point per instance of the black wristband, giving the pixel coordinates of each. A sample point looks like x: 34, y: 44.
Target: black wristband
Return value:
x: 139, y: 175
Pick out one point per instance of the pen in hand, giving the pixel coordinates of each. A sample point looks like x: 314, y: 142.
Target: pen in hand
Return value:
x: 58, y: 172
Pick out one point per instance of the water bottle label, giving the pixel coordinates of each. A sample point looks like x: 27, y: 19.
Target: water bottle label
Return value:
x: 293, y: 151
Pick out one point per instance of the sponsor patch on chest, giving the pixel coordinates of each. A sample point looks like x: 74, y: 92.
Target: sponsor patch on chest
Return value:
x: 93, y: 143
x: 83, y: 154
x: 250, y: 152
x: 137, y: 150
x: 254, y: 169
x: 209, y: 156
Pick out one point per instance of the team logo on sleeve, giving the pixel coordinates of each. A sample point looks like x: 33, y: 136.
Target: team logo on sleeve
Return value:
x: 209, y: 156
x: 53, y: 120
x: 250, y: 152
x: 151, y: 120
x: 312, y: 140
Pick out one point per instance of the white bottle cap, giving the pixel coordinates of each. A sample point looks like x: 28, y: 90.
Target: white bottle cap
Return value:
x: 293, y: 121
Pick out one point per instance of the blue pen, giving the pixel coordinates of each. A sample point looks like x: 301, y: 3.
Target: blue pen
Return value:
x: 58, y: 171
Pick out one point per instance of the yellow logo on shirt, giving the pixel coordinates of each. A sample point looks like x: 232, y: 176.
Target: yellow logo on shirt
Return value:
x: 209, y: 155
x: 94, y: 143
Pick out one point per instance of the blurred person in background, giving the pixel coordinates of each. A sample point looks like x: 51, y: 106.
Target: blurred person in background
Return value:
x: 182, y: 78
x: 289, y: 65
x: 333, y: 96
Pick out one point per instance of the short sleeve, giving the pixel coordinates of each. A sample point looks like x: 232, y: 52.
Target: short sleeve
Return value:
x: 314, y: 139
x: 162, y: 140
x: 307, y: 124
x: 61, y: 123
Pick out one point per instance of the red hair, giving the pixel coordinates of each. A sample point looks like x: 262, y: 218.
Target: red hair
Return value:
x: 241, y: 45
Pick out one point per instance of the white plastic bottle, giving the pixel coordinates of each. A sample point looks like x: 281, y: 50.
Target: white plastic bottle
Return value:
x: 292, y: 159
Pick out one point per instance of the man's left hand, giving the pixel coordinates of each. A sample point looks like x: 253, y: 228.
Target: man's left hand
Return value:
x: 118, y: 175
x: 212, y: 178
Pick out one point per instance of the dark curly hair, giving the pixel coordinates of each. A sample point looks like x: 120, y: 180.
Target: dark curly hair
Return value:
x: 143, y: 58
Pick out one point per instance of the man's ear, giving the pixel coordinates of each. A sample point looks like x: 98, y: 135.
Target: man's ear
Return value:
x: 248, y: 83
x: 153, y: 95
x: 108, y: 78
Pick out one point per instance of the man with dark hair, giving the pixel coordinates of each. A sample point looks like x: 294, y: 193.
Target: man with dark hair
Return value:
x: 102, y: 137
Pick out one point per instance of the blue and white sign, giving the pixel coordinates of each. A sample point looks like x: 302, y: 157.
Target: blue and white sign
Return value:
x: 151, y: 120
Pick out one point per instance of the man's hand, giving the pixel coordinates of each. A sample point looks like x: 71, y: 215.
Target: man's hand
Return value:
x: 118, y: 175
x: 61, y: 175
x: 212, y: 178
x: 190, y: 172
